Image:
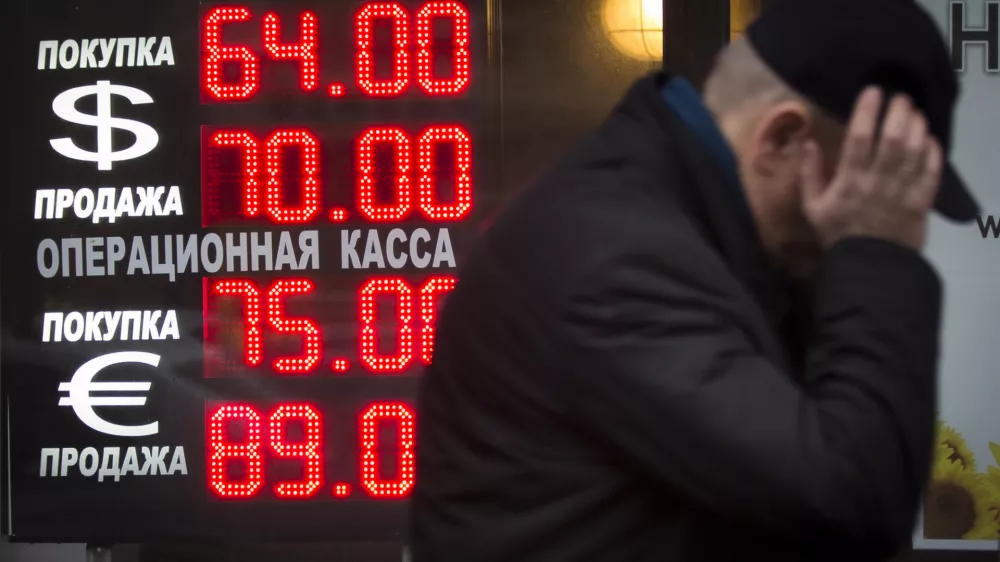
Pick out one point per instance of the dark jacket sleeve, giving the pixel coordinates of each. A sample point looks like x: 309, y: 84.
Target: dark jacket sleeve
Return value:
x: 662, y: 372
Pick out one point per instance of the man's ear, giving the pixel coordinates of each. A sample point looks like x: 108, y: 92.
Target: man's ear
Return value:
x: 779, y: 135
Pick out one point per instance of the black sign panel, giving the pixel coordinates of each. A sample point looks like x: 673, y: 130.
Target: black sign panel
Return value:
x: 239, y: 223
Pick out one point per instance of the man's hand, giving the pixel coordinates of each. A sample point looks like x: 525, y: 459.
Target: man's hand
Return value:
x: 884, y: 191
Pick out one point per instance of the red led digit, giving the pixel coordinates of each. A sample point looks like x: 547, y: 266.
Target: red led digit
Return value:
x: 364, y: 28
x: 251, y: 166
x: 309, y: 329
x: 367, y: 175
x: 309, y: 208
x: 429, y: 294
x: 461, y: 56
x: 222, y: 452
x: 370, y: 354
x: 371, y: 459
x: 252, y: 343
x: 306, y: 51
x: 216, y: 55
x: 310, y: 450
x: 429, y: 139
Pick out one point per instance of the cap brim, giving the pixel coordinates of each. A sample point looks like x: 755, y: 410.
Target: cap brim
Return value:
x: 954, y: 201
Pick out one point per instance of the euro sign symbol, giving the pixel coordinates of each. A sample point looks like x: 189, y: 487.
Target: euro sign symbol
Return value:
x: 64, y: 106
x: 81, y: 385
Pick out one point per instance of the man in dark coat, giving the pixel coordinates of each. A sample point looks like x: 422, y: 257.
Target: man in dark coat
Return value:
x: 709, y: 334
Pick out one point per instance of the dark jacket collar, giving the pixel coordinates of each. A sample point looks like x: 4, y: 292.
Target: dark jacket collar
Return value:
x: 705, y: 191
x: 686, y: 103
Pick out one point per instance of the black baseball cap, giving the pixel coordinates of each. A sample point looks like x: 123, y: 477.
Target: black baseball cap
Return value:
x: 830, y: 50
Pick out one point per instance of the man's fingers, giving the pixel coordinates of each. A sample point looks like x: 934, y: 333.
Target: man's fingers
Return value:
x: 927, y: 184
x: 922, y: 191
x: 891, y: 146
x: 915, y: 149
x: 861, y: 130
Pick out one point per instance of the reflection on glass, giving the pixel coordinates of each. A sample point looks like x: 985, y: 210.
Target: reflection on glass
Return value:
x: 635, y: 27
x: 741, y: 13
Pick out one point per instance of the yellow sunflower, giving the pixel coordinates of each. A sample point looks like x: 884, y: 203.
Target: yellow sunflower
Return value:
x: 958, y: 501
x: 960, y: 451
x: 992, y: 480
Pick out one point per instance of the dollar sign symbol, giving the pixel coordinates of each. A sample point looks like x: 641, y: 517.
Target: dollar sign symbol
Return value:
x: 64, y: 106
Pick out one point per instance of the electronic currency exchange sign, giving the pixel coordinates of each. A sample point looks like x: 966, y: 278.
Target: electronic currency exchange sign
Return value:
x: 231, y: 229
